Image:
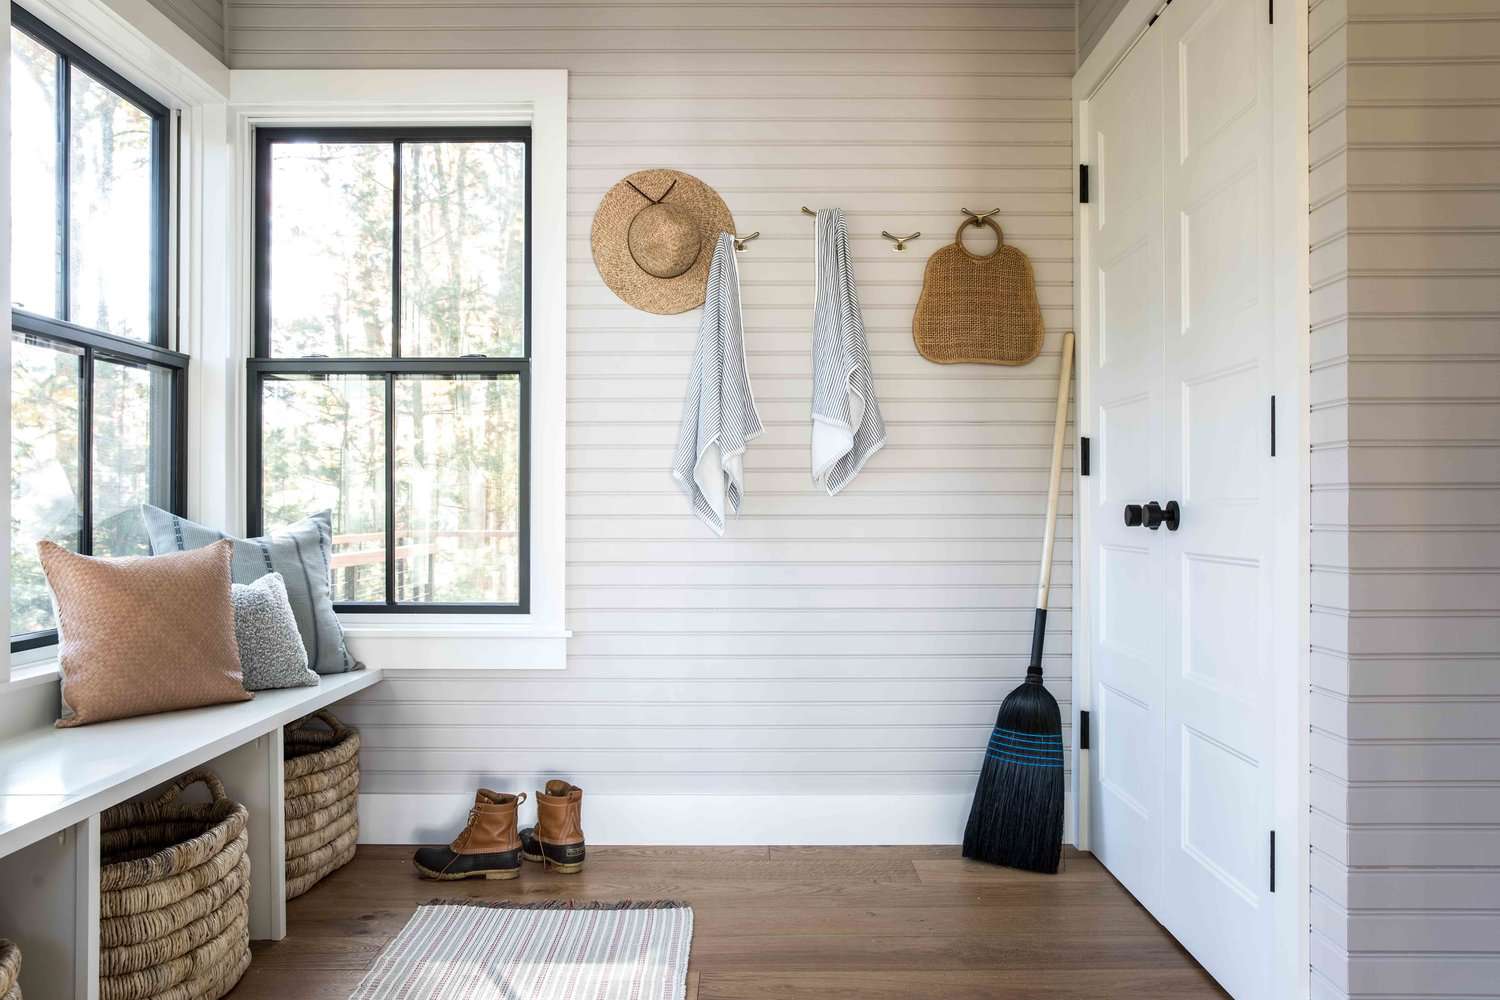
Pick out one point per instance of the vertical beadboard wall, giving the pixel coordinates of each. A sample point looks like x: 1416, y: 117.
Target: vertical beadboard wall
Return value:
x: 1094, y: 17
x: 849, y: 652
x: 1406, y: 497
x: 204, y: 20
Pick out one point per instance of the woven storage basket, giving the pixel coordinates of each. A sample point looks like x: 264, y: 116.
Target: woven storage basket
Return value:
x: 174, y: 895
x: 10, y: 969
x: 322, y: 799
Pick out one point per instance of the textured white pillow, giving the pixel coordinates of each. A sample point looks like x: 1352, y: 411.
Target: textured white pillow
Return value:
x: 271, y: 650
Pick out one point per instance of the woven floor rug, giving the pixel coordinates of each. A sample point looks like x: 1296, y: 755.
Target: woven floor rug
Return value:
x: 536, y: 951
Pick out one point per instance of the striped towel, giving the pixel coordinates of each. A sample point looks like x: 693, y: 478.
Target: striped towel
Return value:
x: 718, y: 412
x: 847, y: 426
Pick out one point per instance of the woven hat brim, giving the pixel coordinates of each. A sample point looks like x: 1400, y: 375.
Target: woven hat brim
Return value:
x: 611, y: 248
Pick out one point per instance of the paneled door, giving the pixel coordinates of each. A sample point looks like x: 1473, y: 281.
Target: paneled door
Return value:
x: 1181, y: 298
x: 1125, y: 306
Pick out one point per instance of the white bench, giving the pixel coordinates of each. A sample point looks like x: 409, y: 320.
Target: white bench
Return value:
x: 55, y: 782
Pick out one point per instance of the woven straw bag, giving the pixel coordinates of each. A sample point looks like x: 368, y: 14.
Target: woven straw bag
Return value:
x: 10, y: 970
x: 322, y: 799
x: 978, y: 310
x: 174, y: 895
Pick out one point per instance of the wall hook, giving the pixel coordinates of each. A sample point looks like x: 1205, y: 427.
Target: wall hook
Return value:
x: 979, y: 218
x: 740, y: 241
x: 900, y: 241
x: 808, y: 211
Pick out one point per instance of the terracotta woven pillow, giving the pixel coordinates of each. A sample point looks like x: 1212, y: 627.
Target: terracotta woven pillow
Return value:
x: 142, y: 634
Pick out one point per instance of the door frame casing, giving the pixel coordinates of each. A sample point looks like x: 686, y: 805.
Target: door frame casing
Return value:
x: 1292, y: 473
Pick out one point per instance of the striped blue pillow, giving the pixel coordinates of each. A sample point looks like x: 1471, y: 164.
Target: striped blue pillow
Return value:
x: 301, y: 553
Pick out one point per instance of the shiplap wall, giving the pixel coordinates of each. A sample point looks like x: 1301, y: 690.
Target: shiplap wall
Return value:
x: 203, y: 20
x: 1094, y: 17
x: 849, y: 652
x: 1406, y: 497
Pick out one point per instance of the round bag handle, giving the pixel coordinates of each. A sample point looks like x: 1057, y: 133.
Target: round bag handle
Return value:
x: 197, y: 774
x: 978, y: 223
x: 328, y: 719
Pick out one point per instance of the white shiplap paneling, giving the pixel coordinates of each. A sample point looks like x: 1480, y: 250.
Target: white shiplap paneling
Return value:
x: 854, y: 646
x: 203, y: 20
x: 1406, y: 489
x: 1094, y: 17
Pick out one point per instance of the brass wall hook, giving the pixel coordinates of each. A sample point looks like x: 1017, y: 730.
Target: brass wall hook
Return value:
x: 808, y: 211
x: 979, y: 218
x: 740, y: 241
x: 900, y: 241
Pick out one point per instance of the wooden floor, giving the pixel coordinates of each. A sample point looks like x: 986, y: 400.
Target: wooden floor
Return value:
x: 787, y: 923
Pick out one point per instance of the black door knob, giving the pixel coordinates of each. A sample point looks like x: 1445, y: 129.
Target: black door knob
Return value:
x: 1132, y: 515
x: 1155, y: 515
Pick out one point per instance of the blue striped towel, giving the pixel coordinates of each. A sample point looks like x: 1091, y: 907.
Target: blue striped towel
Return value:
x: 846, y: 424
x: 718, y: 412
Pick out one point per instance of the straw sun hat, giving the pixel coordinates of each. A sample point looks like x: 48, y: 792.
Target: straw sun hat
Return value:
x: 654, y: 236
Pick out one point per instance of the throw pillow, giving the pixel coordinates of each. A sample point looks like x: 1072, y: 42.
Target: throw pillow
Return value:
x: 302, y: 553
x: 271, y: 650
x: 139, y: 635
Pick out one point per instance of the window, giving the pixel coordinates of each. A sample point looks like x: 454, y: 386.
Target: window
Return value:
x: 392, y: 368
x: 96, y: 395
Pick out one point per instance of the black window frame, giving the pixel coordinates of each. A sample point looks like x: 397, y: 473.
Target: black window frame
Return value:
x: 262, y: 365
x: 97, y: 344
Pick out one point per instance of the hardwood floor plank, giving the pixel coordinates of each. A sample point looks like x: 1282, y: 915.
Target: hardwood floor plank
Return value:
x: 821, y: 923
x: 1069, y: 983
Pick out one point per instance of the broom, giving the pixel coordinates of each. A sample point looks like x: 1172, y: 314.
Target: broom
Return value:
x: 1017, y: 815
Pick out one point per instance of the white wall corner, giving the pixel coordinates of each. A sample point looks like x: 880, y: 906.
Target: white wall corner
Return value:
x: 5, y: 346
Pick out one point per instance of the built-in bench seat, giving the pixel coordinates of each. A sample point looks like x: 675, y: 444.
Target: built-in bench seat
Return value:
x: 55, y: 782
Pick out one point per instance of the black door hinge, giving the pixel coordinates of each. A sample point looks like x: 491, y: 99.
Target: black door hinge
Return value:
x: 1083, y: 730
x: 1159, y: 11
x: 1083, y: 183
x: 1083, y: 456
x: 1270, y: 11
x: 1273, y: 860
x: 1273, y: 426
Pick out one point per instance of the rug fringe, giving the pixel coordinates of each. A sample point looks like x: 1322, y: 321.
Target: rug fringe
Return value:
x: 563, y: 904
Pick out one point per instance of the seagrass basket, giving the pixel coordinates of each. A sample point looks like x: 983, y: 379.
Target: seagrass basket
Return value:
x: 174, y: 894
x: 322, y: 799
x: 10, y: 970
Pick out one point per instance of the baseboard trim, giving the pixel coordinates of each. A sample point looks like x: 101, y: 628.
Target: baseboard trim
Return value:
x: 710, y: 820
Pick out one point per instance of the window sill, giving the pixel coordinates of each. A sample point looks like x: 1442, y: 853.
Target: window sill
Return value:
x: 31, y: 673
x: 464, y: 644
x: 426, y: 646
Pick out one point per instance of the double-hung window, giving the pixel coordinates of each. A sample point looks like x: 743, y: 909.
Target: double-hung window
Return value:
x: 391, y: 372
x: 96, y: 419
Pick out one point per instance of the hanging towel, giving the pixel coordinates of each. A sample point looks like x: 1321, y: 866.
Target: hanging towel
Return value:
x: 718, y: 412
x: 846, y: 424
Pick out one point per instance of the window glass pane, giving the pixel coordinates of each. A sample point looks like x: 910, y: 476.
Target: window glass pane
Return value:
x: 458, y: 466
x: 132, y: 453
x: 109, y: 211
x: 36, y: 249
x: 463, y: 249
x: 323, y: 447
x: 46, y: 385
x: 331, y: 240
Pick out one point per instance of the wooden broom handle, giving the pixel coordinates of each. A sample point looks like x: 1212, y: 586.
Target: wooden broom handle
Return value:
x: 1059, y: 428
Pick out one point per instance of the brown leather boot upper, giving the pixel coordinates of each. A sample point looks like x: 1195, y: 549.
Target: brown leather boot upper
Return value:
x: 559, y: 813
x: 492, y: 825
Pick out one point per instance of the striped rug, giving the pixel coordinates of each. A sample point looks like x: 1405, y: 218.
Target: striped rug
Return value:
x: 536, y: 951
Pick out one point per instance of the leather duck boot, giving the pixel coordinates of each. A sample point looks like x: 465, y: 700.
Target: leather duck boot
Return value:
x: 487, y: 846
x: 557, y: 838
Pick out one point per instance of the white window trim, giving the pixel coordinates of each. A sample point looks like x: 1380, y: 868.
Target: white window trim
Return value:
x: 538, y: 98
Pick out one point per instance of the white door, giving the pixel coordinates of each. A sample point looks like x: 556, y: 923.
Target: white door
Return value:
x: 1183, y: 796
x: 1125, y: 307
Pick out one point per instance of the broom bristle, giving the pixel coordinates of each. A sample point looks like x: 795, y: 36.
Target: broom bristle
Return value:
x: 1017, y: 816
